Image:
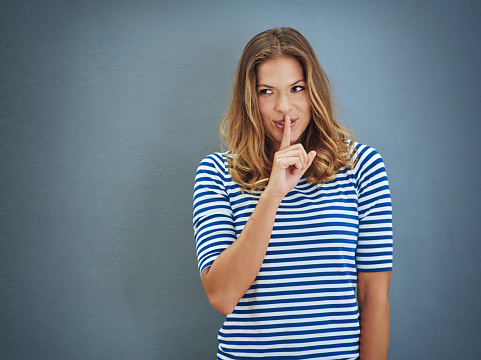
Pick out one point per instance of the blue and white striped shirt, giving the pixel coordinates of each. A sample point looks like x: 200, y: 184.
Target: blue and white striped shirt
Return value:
x: 302, y: 305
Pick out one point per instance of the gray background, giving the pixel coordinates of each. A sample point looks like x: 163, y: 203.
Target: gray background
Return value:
x: 106, y: 109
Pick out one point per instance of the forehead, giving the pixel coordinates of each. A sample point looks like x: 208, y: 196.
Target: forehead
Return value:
x: 280, y: 70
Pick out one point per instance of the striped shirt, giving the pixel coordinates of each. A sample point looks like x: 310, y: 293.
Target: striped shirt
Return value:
x: 302, y: 305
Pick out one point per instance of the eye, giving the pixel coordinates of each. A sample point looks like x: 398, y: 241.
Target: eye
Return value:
x: 297, y: 88
x: 265, y: 91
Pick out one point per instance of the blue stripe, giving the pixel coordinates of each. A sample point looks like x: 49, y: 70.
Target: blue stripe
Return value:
x: 292, y: 332
x: 296, y: 284
x: 320, y: 324
x: 293, y: 318
x: 293, y: 341
x: 293, y: 300
x: 291, y: 292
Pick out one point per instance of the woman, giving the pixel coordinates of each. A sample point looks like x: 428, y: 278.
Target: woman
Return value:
x: 295, y: 219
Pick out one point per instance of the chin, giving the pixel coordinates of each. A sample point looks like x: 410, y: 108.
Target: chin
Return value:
x: 295, y: 140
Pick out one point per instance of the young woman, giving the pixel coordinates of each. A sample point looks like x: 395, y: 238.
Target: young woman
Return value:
x: 293, y: 224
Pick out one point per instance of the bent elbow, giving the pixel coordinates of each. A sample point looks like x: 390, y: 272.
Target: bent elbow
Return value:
x: 220, y: 297
x: 221, y: 300
x: 223, y: 308
x: 221, y: 304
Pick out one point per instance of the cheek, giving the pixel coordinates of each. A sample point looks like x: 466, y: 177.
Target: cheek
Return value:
x: 266, y: 115
x: 263, y: 109
x: 306, y: 105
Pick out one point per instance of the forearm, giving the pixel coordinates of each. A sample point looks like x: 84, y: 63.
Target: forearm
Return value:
x: 373, y: 300
x: 234, y: 271
x: 374, y: 339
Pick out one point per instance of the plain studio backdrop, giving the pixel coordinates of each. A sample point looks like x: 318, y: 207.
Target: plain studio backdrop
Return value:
x: 106, y: 109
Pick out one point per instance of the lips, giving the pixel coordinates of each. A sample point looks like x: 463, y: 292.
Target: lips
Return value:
x: 280, y: 123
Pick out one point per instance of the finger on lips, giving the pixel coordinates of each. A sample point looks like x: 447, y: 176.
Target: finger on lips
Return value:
x: 295, y: 155
x: 286, y: 136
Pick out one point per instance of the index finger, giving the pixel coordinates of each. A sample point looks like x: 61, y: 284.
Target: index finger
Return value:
x: 286, y: 135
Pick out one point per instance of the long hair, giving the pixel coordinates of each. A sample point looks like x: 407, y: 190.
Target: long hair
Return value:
x: 250, y: 148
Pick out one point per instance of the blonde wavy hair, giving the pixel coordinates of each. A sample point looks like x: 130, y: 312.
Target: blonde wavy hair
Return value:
x: 250, y: 161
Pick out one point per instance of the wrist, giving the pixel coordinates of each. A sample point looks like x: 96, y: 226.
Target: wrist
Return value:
x: 270, y: 197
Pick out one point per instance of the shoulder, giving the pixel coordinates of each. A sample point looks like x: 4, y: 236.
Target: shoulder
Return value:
x: 215, y: 159
x: 369, y: 170
x: 365, y: 152
x: 216, y: 162
x: 366, y: 157
x: 213, y: 172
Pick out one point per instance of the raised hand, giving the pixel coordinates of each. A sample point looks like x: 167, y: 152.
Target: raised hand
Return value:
x: 289, y: 164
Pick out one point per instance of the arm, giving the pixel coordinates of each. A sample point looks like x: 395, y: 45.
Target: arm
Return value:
x: 235, y: 269
x: 372, y: 293
x: 373, y: 254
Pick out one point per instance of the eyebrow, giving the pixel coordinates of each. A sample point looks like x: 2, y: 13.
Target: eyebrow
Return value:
x: 268, y: 86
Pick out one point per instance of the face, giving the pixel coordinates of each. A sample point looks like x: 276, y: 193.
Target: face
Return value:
x: 281, y: 90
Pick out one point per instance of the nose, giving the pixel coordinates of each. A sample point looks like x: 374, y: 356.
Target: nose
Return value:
x: 283, y: 103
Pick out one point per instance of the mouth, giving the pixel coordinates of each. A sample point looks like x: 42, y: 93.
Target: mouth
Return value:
x: 280, y: 123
